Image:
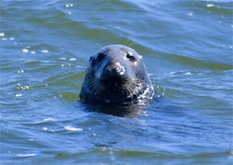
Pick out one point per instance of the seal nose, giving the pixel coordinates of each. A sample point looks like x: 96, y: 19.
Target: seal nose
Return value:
x: 111, y: 76
x: 110, y: 71
x: 114, y: 69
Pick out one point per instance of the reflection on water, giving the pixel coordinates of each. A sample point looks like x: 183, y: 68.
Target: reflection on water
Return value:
x: 130, y: 110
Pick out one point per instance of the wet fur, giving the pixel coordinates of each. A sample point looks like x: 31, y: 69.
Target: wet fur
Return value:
x: 116, y: 88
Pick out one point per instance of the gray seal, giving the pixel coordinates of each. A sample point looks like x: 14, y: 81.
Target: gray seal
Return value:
x: 116, y: 74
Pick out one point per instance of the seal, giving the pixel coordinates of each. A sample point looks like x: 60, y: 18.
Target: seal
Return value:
x: 116, y: 74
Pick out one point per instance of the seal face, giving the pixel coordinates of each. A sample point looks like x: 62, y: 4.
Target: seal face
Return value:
x: 116, y: 74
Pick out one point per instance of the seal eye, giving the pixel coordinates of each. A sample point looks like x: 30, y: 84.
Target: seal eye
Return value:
x: 100, y: 57
x: 130, y: 57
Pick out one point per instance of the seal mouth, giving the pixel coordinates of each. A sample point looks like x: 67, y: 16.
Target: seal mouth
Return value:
x: 116, y: 90
x: 113, y: 83
x: 113, y: 88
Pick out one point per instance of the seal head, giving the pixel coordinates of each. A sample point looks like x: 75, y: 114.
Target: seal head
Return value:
x: 116, y: 74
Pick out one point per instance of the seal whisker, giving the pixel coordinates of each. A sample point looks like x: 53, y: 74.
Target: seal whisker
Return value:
x: 95, y: 86
x: 130, y: 87
x: 98, y: 88
x: 132, y: 44
x: 100, y: 46
x: 129, y: 91
x: 126, y: 42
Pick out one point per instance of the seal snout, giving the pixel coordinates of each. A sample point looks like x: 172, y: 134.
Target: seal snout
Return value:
x: 110, y: 72
x: 113, y: 71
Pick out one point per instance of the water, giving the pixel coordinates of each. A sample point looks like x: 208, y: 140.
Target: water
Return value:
x: 187, y: 47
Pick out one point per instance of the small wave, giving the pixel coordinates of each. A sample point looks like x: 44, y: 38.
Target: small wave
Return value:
x: 198, y: 63
x: 25, y: 155
x: 49, y: 119
x: 70, y: 128
x: 218, y: 1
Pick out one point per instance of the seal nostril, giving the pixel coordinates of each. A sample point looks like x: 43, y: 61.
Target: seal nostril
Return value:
x: 114, y: 71
x: 111, y: 71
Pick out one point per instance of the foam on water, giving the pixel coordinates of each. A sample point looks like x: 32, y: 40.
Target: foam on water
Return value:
x: 70, y: 128
x: 44, y: 51
x: 26, y: 155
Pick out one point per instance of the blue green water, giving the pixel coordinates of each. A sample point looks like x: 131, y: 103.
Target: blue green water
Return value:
x: 187, y: 47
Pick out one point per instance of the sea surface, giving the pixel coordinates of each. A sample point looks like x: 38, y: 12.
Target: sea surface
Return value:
x: 188, y: 49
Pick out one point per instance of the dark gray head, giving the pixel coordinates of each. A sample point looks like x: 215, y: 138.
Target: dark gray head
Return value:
x: 116, y: 74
